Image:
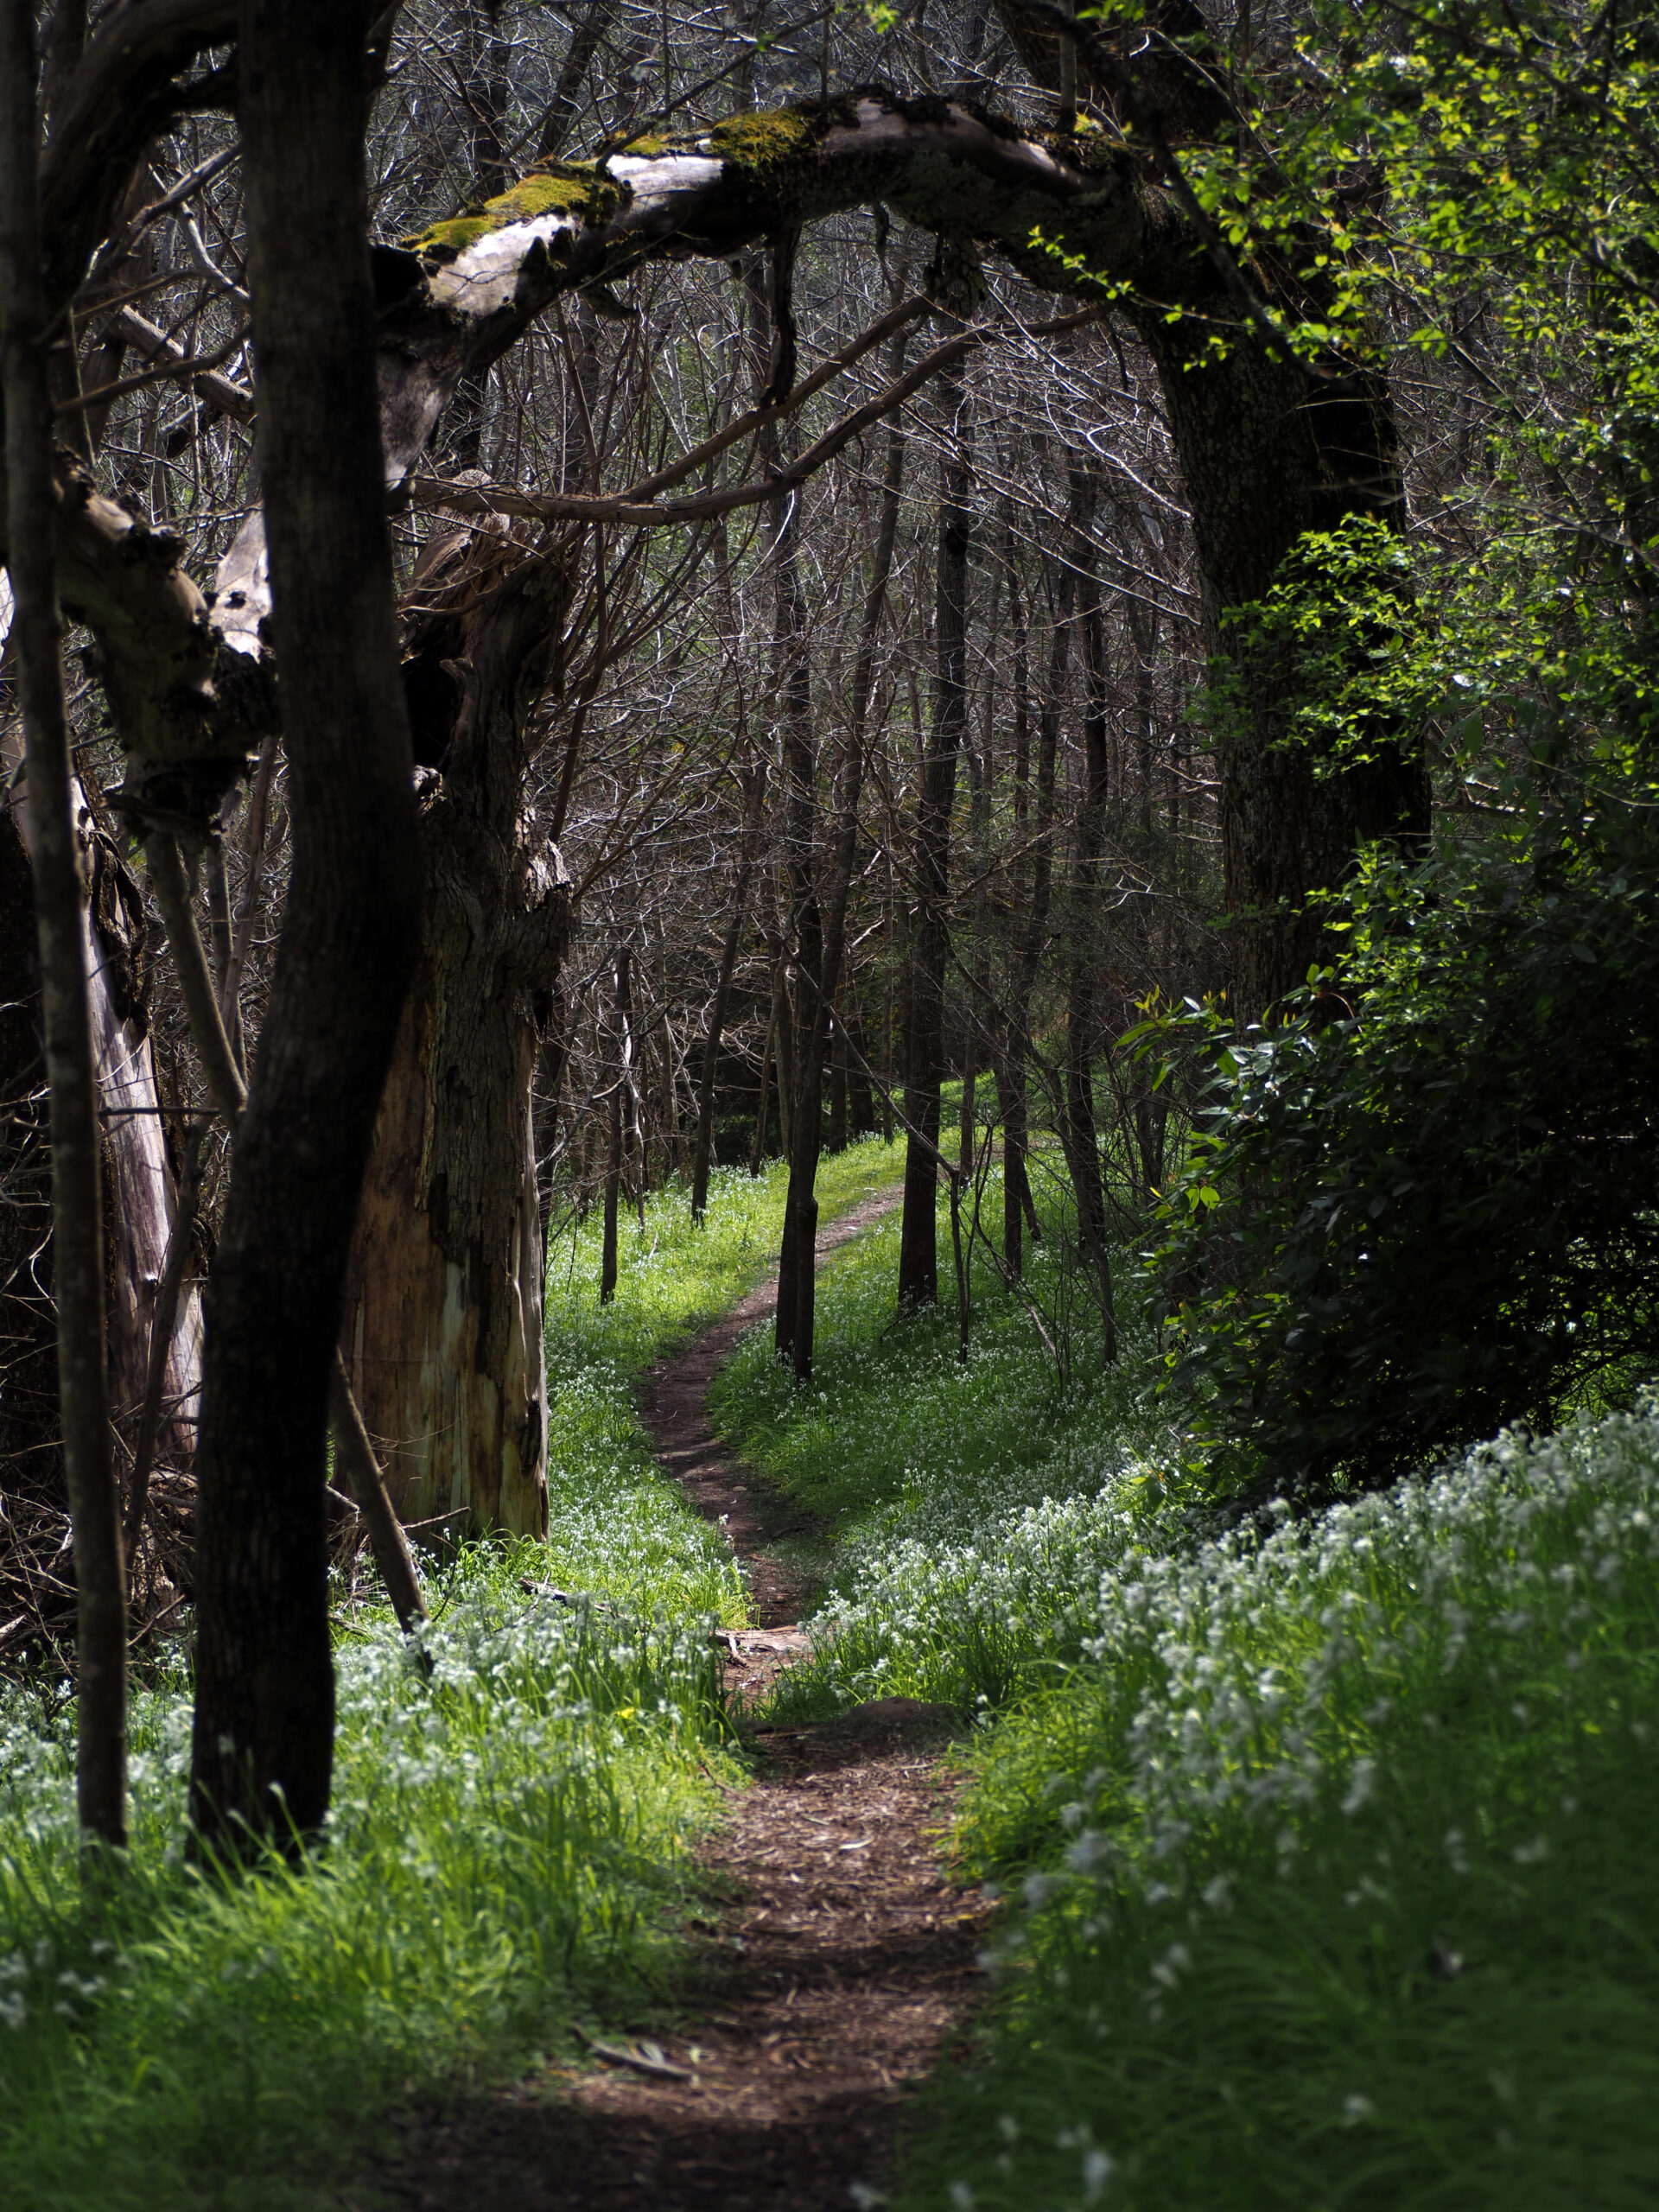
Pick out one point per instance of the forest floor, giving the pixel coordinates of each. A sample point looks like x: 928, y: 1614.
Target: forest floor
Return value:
x: 836, y: 1955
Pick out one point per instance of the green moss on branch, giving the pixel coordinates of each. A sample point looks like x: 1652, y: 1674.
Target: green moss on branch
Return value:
x: 578, y: 188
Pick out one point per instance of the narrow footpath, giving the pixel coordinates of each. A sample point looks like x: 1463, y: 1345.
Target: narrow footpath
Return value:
x: 829, y: 1976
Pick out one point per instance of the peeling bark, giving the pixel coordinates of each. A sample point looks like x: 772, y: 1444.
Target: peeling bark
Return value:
x: 443, y: 1327
x: 442, y: 1322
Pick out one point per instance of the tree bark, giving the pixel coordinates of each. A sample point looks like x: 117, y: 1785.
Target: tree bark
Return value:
x: 820, y: 988
x: 77, y: 1223
x: 703, y: 1156
x: 30, y: 1440
x: 758, y: 1150
x: 1008, y: 1055
x: 263, y: 1740
x: 442, y: 1334
x: 918, y: 1259
x: 1081, y: 1139
x: 442, y: 1330
x: 613, y: 1162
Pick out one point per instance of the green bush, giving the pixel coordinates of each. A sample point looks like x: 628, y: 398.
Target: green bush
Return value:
x: 1425, y: 1204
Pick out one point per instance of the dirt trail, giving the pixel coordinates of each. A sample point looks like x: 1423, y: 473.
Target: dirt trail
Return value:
x: 828, y: 1980
x: 674, y: 1404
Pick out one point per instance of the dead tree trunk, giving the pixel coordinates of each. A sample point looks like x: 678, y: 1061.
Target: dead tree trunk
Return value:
x: 442, y: 1333
x: 442, y: 1319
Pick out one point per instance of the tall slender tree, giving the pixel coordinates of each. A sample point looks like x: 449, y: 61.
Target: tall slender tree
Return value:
x: 263, y: 1738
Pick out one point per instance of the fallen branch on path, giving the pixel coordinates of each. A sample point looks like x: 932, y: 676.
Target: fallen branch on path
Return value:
x: 649, y: 2060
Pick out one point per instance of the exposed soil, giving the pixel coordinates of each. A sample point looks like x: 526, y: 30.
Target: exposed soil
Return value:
x: 828, y: 1977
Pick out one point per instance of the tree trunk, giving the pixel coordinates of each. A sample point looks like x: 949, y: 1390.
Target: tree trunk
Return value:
x: 800, y: 1240
x: 1081, y: 1140
x: 976, y: 1010
x: 703, y: 1157
x: 77, y: 1228
x: 442, y: 1335
x: 837, y: 1138
x: 797, y: 766
x: 443, y: 1332
x: 1009, y: 1055
x: 758, y: 1150
x: 139, y: 1180
x: 918, y: 1258
x: 264, y: 1741
x: 136, y: 1175
x: 614, y: 1159
x: 30, y: 1443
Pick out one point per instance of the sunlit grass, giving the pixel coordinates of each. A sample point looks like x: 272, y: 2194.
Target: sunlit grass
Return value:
x: 1327, y: 1848
x: 1333, y: 1864
x: 617, y: 1524
x: 508, y: 1843
x: 673, y: 1272
x: 508, y: 1846
x: 932, y: 1473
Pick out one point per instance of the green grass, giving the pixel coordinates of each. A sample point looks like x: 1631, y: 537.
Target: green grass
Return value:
x: 924, y: 1467
x: 674, y: 1274
x: 508, y: 1845
x: 508, y: 1848
x: 1332, y: 1865
x: 617, y: 1525
x: 1327, y: 1843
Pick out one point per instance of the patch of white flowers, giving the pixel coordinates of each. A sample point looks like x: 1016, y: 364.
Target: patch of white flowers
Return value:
x: 1369, y: 1610
x: 953, y: 1620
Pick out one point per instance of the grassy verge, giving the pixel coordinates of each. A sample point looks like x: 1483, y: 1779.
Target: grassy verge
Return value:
x: 617, y: 1524
x: 930, y: 1471
x: 1334, y: 1865
x: 509, y: 1843
x: 1326, y: 1843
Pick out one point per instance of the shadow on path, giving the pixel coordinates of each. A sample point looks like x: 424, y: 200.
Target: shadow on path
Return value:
x: 827, y: 1979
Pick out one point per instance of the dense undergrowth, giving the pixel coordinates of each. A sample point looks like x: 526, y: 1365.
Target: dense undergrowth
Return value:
x: 508, y: 1843
x: 1325, y: 1838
